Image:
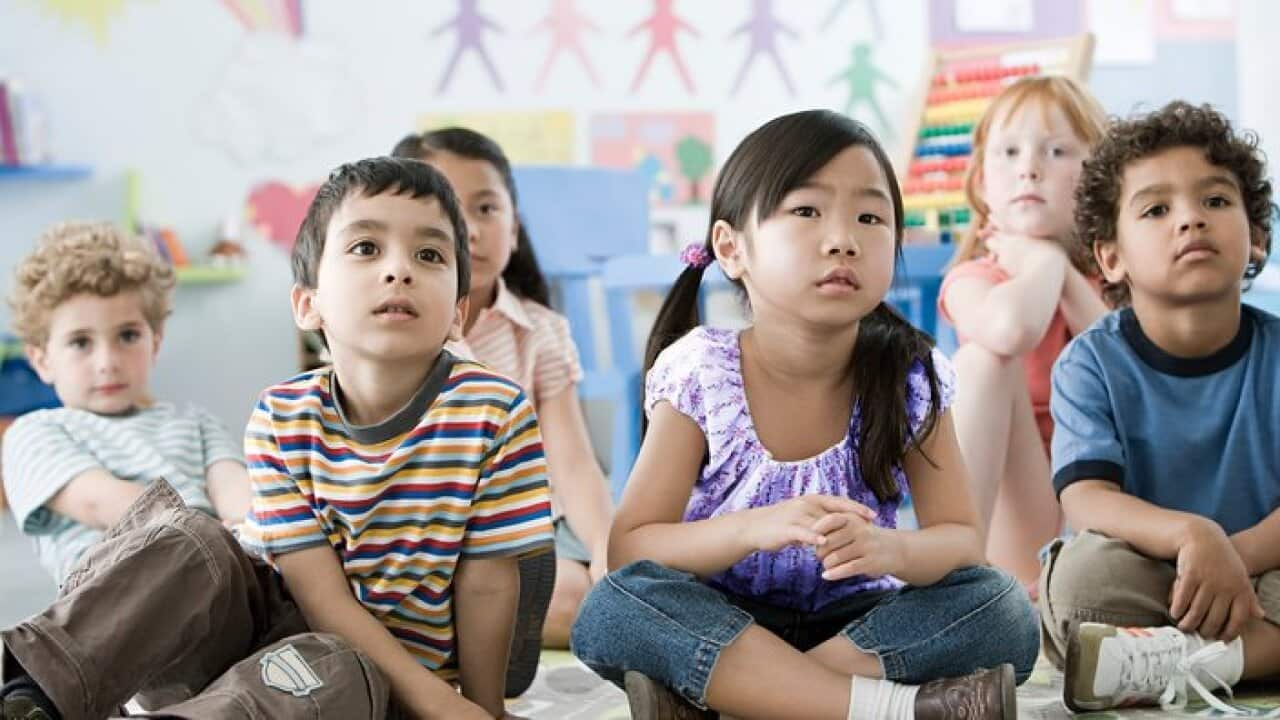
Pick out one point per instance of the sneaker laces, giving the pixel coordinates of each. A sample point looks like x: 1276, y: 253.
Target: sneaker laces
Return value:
x: 1187, y: 670
x: 1149, y: 665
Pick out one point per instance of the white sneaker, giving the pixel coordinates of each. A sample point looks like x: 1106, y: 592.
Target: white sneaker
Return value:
x: 1109, y: 667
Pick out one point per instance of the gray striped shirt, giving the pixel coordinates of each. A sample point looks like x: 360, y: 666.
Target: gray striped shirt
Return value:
x: 46, y: 449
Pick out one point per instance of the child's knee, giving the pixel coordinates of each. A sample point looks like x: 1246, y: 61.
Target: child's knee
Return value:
x: 1094, y: 571
x: 1009, y: 612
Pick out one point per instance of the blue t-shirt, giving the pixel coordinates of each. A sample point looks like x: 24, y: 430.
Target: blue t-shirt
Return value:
x: 1189, y: 434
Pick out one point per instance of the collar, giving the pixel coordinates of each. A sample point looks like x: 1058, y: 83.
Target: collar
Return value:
x: 510, y: 306
x: 1168, y: 364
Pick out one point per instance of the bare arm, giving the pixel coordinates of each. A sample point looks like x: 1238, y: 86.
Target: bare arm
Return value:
x: 648, y: 524
x: 228, y: 483
x: 1008, y: 318
x: 1259, y: 546
x: 318, y: 584
x: 948, y: 535
x: 1104, y: 507
x: 486, y: 593
x: 576, y: 480
x: 1081, y: 304
x: 95, y: 498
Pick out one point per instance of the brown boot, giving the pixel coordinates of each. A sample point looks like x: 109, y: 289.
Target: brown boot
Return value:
x: 986, y: 695
x: 652, y: 701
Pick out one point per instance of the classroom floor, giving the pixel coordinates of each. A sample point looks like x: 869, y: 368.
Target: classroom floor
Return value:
x: 564, y: 688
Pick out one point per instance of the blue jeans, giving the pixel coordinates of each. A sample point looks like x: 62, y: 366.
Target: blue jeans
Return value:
x: 672, y: 627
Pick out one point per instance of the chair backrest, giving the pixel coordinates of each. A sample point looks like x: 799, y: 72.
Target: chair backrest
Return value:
x: 577, y: 218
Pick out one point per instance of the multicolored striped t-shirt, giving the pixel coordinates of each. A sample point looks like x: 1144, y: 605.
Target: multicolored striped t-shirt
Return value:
x: 458, y: 472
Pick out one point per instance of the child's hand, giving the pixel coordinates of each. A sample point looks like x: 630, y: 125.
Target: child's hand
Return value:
x: 1015, y: 252
x: 1212, y: 594
x: 791, y: 522
x: 855, y: 545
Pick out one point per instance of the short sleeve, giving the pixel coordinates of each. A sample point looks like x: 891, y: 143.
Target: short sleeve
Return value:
x: 556, y: 364
x: 215, y: 441
x: 984, y: 268
x: 40, y: 458
x: 920, y: 396
x: 1086, y: 443
x: 676, y: 378
x: 282, y: 517
x: 511, y: 512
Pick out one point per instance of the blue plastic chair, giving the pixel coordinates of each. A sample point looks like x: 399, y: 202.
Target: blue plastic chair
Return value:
x: 577, y: 219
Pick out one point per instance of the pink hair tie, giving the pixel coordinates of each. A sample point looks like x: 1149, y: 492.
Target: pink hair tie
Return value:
x: 695, y: 255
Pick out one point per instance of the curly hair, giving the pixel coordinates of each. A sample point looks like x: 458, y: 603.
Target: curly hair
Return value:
x: 74, y: 258
x: 1178, y: 124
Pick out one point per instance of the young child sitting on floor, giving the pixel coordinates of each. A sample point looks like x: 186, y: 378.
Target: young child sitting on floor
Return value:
x: 1164, y: 412
x: 90, y: 305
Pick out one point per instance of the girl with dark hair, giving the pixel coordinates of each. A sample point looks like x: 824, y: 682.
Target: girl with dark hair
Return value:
x: 757, y: 540
x: 511, y: 329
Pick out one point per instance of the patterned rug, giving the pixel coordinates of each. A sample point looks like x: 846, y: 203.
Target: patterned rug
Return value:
x: 566, y: 690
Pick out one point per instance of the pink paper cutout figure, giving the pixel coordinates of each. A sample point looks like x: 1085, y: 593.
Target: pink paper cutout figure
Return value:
x: 663, y: 26
x: 763, y: 27
x: 470, y: 26
x: 566, y: 26
x: 873, y: 11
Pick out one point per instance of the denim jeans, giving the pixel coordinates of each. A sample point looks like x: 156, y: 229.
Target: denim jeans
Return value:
x: 672, y: 627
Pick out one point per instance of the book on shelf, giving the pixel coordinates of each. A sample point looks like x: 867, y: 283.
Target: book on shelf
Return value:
x: 23, y: 131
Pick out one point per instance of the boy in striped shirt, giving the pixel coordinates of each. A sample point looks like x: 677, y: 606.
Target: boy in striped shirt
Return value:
x: 395, y: 490
x: 392, y: 494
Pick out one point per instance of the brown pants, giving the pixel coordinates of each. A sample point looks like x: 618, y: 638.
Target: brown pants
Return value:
x: 168, y: 608
x: 1095, y: 578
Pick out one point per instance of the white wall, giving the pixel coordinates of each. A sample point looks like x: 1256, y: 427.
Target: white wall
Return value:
x: 204, y: 109
x: 1257, y: 56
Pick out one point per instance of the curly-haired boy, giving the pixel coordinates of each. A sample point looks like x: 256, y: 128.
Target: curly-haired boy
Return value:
x: 89, y: 305
x: 1163, y: 451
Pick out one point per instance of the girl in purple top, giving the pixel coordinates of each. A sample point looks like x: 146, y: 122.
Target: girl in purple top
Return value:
x: 762, y: 570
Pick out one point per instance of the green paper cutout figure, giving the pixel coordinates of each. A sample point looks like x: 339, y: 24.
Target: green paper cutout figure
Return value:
x: 862, y: 77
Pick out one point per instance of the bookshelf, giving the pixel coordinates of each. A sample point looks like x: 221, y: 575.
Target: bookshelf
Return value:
x: 45, y: 172
x: 209, y: 274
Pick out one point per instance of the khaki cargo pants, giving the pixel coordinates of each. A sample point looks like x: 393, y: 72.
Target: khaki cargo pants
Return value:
x: 1095, y: 578
x: 169, y: 609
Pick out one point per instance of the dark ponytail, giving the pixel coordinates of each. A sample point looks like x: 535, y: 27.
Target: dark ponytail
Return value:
x: 522, y: 275
x: 677, y: 316
x: 886, y: 349
x: 753, y: 182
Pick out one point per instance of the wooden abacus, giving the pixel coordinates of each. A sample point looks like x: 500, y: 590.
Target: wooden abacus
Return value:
x: 957, y: 87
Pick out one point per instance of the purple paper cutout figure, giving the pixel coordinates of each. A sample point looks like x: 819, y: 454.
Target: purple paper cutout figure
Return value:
x: 763, y: 27
x: 873, y: 11
x: 663, y: 25
x: 470, y: 25
x: 566, y: 26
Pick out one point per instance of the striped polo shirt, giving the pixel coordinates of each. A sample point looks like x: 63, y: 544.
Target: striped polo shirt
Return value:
x: 458, y: 472
x: 526, y: 341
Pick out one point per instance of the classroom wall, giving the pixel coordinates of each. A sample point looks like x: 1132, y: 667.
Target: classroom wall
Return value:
x: 206, y: 100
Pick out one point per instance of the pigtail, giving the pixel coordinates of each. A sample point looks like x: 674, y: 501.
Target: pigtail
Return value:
x: 887, y: 348
x: 677, y: 316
